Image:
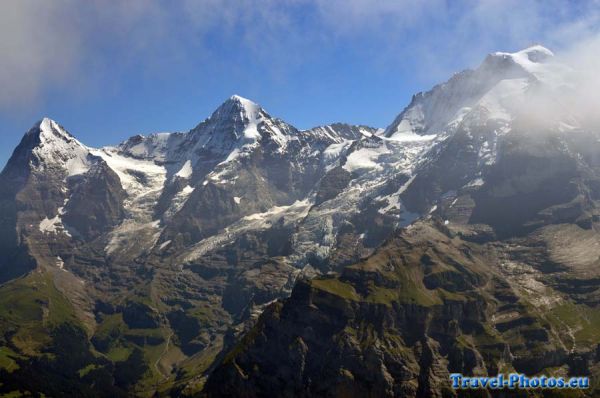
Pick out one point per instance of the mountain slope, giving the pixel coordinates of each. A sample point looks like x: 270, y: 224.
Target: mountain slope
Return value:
x: 461, y: 238
x: 115, y: 231
x: 492, y: 278
x: 425, y: 305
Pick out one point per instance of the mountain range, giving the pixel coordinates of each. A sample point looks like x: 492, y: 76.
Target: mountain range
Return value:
x: 249, y: 258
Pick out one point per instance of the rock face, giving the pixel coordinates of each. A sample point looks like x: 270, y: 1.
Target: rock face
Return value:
x: 426, y: 304
x: 462, y: 238
x: 491, y: 278
x: 161, y: 245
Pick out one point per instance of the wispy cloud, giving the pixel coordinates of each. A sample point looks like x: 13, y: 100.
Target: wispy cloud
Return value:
x: 47, y: 44
x: 67, y: 45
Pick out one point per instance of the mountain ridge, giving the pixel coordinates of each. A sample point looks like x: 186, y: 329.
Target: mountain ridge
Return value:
x: 167, y: 248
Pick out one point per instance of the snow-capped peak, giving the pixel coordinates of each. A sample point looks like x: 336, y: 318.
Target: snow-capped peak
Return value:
x: 494, y: 91
x: 236, y: 105
x: 48, y: 128
x: 536, y: 62
x: 537, y: 54
x: 248, y: 105
x: 252, y: 113
x: 237, y: 122
x: 55, y: 147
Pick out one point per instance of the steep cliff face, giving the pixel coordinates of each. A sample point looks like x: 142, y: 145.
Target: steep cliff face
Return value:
x: 425, y: 305
x: 57, y: 194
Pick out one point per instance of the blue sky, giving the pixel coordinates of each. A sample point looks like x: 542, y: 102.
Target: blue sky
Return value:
x: 109, y: 70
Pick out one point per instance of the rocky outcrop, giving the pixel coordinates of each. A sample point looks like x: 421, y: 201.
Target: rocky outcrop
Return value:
x: 423, y: 306
x: 96, y: 203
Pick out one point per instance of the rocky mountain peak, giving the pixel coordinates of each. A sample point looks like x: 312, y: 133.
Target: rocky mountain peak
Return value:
x: 532, y: 62
x: 48, y: 129
x: 249, y: 106
x: 237, y: 107
x: 492, y: 91
x: 237, y: 123
x: 47, y: 145
x: 536, y: 54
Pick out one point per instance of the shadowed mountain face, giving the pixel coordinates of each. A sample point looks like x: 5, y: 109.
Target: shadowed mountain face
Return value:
x: 462, y: 238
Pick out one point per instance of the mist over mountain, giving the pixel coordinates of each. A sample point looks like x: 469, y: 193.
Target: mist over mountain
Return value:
x: 246, y: 257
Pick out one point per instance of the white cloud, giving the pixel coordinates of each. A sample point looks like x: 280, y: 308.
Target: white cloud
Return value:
x: 36, y: 47
x: 69, y: 46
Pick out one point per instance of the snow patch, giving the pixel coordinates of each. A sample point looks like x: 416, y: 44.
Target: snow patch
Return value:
x: 164, y: 245
x: 186, y: 170
x: 333, y: 151
x: 133, y: 237
x: 50, y: 225
x: 475, y: 183
x: 394, y: 199
x: 273, y: 213
x: 179, y: 201
x: 258, y: 221
x: 393, y: 203
x: 143, y: 180
x: 55, y: 224
x: 365, y: 158
x: 409, y: 136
